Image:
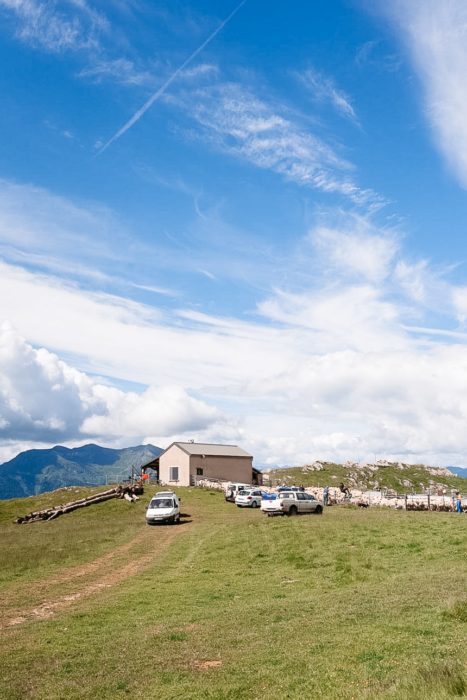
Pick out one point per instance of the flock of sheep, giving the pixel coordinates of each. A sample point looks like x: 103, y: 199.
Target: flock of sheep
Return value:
x: 365, y: 499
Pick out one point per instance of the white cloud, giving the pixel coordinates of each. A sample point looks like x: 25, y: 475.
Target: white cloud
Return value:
x: 119, y: 70
x: 166, y: 410
x: 414, y: 278
x: 33, y: 219
x: 327, y: 367
x: 56, y: 27
x: 459, y: 298
x: 324, y: 89
x: 436, y: 36
x: 358, y: 248
x: 75, y: 240
x: 43, y: 399
x: 354, y: 316
x: 341, y: 379
x: 237, y: 122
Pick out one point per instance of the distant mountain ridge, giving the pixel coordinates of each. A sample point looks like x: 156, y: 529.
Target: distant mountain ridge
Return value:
x: 459, y: 471
x: 36, y: 471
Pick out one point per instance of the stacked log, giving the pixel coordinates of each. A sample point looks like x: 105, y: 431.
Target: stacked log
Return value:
x: 129, y: 492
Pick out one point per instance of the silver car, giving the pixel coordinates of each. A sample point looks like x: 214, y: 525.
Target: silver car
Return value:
x: 250, y: 498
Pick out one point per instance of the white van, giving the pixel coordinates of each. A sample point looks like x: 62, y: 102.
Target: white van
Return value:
x: 163, y: 508
x: 232, y: 489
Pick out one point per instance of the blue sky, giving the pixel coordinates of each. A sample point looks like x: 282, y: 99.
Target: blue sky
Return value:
x: 272, y: 253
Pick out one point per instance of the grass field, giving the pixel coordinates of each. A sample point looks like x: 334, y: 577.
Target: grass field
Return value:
x: 231, y: 604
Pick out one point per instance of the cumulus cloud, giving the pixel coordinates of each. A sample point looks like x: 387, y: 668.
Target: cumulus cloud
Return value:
x: 44, y: 399
x: 41, y: 397
x: 168, y: 409
x: 436, y: 38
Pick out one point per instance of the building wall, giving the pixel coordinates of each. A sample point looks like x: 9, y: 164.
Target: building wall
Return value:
x: 174, y: 457
x: 226, y: 468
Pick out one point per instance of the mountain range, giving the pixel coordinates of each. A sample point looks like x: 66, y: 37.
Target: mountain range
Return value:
x: 35, y: 471
x: 459, y: 471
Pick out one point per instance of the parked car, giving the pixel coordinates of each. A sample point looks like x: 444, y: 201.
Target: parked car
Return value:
x: 291, y: 503
x: 233, y: 489
x: 249, y: 498
x: 163, y: 508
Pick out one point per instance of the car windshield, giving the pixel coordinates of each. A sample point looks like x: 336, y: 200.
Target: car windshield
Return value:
x: 244, y: 493
x: 162, y: 503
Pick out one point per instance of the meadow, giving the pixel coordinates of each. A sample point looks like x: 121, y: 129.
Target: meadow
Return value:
x: 231, y: 604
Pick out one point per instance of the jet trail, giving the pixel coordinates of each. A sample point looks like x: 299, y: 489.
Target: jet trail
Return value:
x: 137, y: 115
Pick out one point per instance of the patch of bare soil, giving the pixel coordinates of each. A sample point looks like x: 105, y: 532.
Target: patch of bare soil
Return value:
x: 104, y: 572
x: 206, y: 665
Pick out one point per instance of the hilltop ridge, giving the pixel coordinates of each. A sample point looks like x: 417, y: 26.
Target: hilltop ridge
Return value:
x: 397, y: 476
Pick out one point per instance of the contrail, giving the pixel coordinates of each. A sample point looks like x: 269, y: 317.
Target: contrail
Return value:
x: 137, y: 115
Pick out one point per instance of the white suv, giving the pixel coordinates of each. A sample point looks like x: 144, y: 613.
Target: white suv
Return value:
x: 290, y: 503
x: 163, y: 508
x: 249, y: 498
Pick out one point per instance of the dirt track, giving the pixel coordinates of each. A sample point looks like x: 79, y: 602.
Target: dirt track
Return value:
x: 63, y: 590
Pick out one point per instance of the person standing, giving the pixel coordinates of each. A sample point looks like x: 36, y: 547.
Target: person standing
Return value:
x: 326, y: 495
x: 458, y: 502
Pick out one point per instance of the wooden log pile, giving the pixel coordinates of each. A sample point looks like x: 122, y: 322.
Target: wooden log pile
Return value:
x: 129, y: 492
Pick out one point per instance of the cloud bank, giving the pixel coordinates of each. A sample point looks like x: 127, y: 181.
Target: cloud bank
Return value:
x: 368, y: 357
x: 436, y: 38
x: 44, y: 399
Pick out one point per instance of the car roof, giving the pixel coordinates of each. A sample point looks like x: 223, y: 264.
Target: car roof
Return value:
x: 164, y: 493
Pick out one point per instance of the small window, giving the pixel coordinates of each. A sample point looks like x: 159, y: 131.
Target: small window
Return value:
x: 301, y: 496
x: 199, y: 471
x: 173, y: 473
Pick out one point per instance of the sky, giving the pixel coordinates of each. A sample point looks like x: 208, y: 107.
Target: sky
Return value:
x: 235, y: 222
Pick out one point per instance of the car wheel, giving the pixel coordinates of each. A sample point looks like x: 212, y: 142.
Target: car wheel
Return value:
x: 319, y: 510
x: 254, y: 504
x: 293, y: 510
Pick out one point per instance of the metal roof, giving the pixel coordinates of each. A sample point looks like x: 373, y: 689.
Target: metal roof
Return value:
x: 209, y: 450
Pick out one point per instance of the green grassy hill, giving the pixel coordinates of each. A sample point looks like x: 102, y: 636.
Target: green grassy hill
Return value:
x: 231, y: 604
x: 405, y: 478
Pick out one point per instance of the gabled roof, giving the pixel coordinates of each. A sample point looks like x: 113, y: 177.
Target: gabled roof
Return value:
x: 210, y: 450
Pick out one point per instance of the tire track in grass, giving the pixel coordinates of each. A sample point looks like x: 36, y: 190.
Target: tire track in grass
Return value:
x: 105, y: 574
